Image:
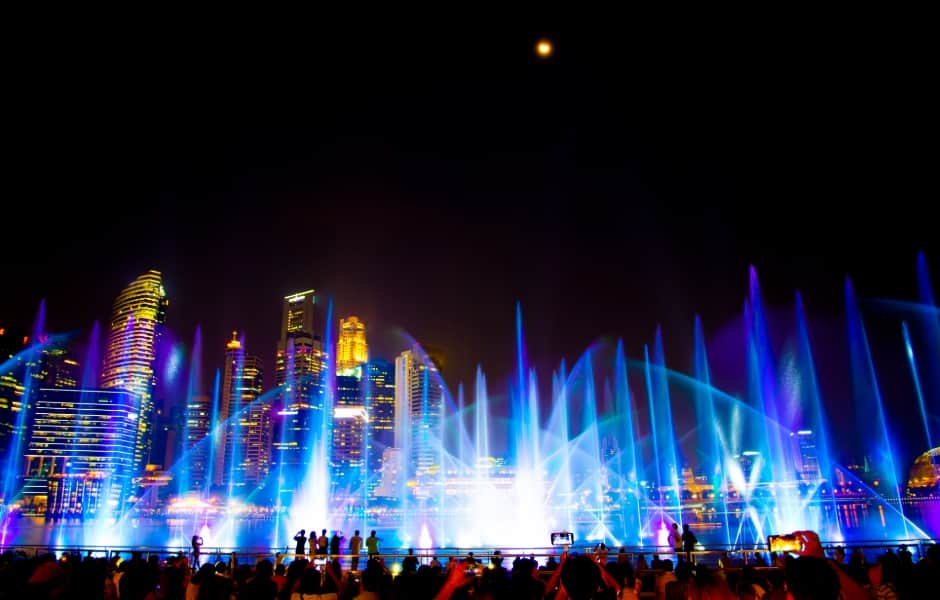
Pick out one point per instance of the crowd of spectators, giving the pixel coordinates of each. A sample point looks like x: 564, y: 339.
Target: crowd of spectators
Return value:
x: 809, y: 576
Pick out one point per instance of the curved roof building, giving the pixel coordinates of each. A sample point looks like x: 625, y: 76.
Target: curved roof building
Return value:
x: 925, y: 474
x: 137, y: 319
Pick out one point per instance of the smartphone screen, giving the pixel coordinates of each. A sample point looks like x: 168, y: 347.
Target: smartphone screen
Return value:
x: 784, y: 543
x: 563, y: 538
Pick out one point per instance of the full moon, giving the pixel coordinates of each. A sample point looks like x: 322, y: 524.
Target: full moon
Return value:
x: 544, y: 48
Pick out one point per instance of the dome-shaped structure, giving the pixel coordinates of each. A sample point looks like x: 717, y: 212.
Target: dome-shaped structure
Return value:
x: 925, y: 473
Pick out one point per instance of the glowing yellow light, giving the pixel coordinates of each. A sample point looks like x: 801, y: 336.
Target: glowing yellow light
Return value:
x: 544, y: 48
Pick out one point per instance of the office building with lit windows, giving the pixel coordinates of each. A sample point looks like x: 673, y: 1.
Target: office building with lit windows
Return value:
x: 247, y: 446
x: 379, y: 395
x: 134, y: 331
x: 196, y: 444
x: 83, y: 440
x: 299, y: 372
x: 351, y: 347
x: 49, y: 364
x: 809, y: 456
x: 419, y: 394
x: 348, y: 430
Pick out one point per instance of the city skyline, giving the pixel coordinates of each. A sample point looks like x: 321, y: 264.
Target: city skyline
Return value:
x: 307, y: 314
x: 608, y: 280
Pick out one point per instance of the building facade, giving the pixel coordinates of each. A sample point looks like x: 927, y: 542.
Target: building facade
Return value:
x: 197, y: 444
x: 134, y: 331
x: 247, y: 447
x: 379, y: 394
x: 299, y: 372
x: 349, y: 430
x: 351, y: 347
x: 419, y: 394
x: 82, y: 433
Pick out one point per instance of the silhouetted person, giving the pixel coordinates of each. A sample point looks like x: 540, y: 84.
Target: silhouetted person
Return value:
x: 322, y: 543
x: 372, y: 544
x: 688, y: 541
x: 197, y: 544
x: 261, y: 586
x: 355, y: 547
x: 334, y: 545
x: 301, y: 539
x: 410, y: 562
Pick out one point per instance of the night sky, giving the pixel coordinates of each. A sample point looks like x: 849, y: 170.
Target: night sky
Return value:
x: 428, y: 178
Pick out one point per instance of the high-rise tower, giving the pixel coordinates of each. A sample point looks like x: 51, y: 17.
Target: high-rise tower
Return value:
x: 246, y: 457
x: 349, y: 429
x: 135, y: 329
x: 351, y: 347
x: 419, y: 394
x: 299, y: 370
x: 379, y: 392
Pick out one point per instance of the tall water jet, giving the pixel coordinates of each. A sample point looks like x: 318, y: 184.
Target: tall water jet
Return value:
x: 868, y: 401
x: 629, y: 479
x: 815, y: 423
x: 764, y: 386
x: 654, y: 420
x: 481, y: 412
x: 193, y: 389
x: 562, y: 434
x: 915, y: 376
x: 459, y: 427
x: 589, y: 450
x: 930, y: 320
x: 710, y: 451
x: 216, y: 433
x: 666, y: 426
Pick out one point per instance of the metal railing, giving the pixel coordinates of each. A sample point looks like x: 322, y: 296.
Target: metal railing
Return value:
x: 745, y: 555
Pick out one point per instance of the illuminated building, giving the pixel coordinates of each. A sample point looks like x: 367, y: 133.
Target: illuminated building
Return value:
x: 299, y: 370
x: 134, y: 333
x: 925, y: 474
x: 11, y: 404
x: 245, y: 458
x: 52, y: 366
x: 809, y: 458
x: 197, y: 424
x: 349, y: 428
x: 420, y: 396
x: 11, y: 387
x: 391, y: 483
x: 351, y: 347
x: 379, y: 394
x: 74, y: 494
x: 82, y: 433
x: 59, y: 369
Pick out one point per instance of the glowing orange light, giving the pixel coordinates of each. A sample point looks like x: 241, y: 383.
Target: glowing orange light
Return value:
x: 544, y: 48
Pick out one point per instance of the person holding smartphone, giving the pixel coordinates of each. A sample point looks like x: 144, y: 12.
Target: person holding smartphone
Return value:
x: 197, y: 544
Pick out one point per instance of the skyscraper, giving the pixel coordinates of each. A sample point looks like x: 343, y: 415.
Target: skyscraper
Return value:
x: 196, y: 447
x: 246, y: 458
x: 82, y: 435
x: 299, y: 369
x: 134, y: 333
x: 419, y: 393
x: 351, y: 347
x: 379, y: 392
x: 59, y: 369
x: 809, y: 457
x: 349, y: 429
x: 11, y: 387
